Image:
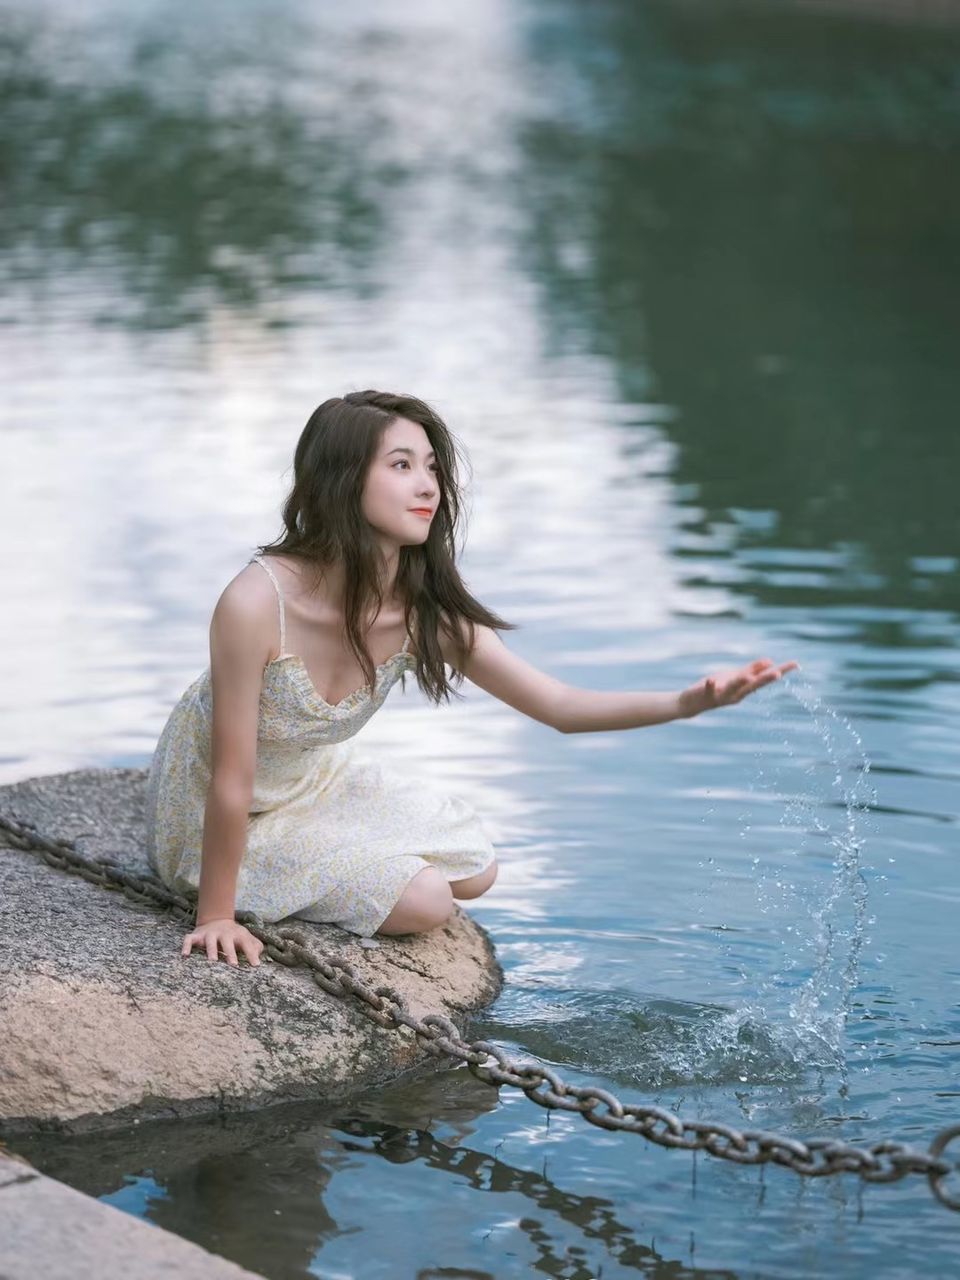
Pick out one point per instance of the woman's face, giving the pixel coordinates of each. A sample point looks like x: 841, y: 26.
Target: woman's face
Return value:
x: 402, y: 478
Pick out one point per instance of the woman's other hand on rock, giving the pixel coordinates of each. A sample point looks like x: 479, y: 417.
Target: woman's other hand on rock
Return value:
x: 224, y: 935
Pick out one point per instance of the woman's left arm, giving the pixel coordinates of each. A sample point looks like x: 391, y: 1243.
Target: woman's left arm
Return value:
x: 569, y: 709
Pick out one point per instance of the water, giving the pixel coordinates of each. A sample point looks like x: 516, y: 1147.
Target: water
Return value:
x: 682, y: 278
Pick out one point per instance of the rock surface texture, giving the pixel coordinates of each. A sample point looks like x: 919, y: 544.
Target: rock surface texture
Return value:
x: 102, y: 1019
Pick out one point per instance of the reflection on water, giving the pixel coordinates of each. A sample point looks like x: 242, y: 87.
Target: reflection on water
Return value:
x: 681, y: 277
x: 231, y: 1174
x: 764, y: 232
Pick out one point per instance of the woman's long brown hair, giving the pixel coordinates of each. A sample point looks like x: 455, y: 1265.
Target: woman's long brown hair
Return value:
x: 324, y: 525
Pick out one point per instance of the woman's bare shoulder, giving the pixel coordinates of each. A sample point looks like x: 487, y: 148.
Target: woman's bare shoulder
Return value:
x: 296, y: 577
x: 249, y: 588
x: 249, y: 602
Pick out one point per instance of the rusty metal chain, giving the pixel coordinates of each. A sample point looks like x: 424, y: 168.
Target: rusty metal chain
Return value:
x: 885, y: 1161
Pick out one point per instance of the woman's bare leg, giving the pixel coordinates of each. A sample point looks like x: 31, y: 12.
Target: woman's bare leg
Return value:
x: 473, y: 886
x: 425, y: 903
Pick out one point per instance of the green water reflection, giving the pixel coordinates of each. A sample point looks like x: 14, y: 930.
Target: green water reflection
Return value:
x: 757, y: 219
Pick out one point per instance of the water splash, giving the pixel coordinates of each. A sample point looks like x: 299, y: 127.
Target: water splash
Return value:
x: 848, y: 887
x: 653, y: 1043
x: 817, y: 962
x: 798, y: 985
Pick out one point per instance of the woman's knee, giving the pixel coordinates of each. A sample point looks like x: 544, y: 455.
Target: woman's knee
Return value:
x: 425, y: 903
x: 474, y: 886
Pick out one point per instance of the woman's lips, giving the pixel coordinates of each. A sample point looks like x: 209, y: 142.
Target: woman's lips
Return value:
x: 423, y: 512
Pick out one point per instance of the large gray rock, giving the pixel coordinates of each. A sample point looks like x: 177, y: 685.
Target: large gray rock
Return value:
x: 102, y: 1020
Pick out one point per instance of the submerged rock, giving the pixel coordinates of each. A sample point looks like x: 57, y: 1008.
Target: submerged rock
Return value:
x: 52, y: 1231
x: 103, y: 1021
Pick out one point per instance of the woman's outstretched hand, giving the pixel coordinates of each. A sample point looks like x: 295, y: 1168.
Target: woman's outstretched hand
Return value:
x: 224, y: 935
x: 727, y: 687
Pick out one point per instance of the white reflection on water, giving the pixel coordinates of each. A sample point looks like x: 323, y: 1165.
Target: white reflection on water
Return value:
x: 140, y: 476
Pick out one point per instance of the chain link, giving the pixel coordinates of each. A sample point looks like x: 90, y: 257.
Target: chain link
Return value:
x: 885, y: 1161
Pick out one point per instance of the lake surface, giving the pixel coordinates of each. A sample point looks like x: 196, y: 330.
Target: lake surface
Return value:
x: 683, y: 280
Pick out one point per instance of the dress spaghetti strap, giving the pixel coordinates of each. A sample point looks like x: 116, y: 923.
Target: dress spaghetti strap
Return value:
x: 283, y: 635
x: 283, y: 630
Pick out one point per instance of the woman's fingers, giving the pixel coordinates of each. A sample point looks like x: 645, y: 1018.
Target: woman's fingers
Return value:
x: 726, y: 687
x: 740, y: 685
x: 762, y: 664
x: 217, y: 941
x: 768, y: 677
x: 763, y: 672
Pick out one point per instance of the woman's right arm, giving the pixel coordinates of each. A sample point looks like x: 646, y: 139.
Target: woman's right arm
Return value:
x: 240, y: 645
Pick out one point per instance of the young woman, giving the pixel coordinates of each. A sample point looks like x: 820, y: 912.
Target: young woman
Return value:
x: 256, y: 800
